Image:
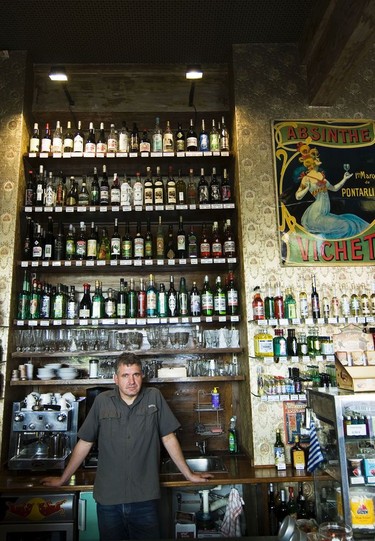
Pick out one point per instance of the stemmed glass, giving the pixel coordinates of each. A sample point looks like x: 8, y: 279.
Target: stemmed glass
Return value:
x: 164, y: 336
x: 346, y: 167
x: 153, y: 336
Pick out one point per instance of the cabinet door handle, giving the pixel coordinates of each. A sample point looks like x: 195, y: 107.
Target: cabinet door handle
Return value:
x: 82, y: 515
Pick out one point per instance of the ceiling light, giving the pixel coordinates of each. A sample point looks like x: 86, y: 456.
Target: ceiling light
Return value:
x: 194, y: 72
x: 58, y: 73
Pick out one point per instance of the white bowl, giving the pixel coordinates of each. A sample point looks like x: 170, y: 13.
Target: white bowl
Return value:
x: 49, y: 373
x: 53, y: 366
x: 72, y: 375
x: 44, y: 378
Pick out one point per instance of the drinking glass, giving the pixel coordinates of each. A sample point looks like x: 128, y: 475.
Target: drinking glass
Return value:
x: 164, y: 336
x: 337, y: 530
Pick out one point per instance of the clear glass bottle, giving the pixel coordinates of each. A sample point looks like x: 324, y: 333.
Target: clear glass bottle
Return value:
x: 157, y: 137
x: 68, y: 143
x: 168, y: 139
x: 57, y: 140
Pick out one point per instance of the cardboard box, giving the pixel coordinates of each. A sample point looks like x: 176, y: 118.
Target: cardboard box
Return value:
x: 185, y: 525
x: 172, y: 372
x: 355, y: 378
x: 369, y: 467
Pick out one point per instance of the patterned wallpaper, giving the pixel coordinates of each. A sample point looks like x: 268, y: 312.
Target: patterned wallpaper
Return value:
x: 269, y: 84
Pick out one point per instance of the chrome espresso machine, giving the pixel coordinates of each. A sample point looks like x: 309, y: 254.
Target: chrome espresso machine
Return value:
x: 42, y: 438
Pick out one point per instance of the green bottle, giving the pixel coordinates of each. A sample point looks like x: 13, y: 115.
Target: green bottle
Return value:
x: 151, y: 299
x: 183, y: 308
x: 24, y: 297
x: 105, y: 246
x: 207, y: 300
x: 97, y: 305
x: 132, y: 300
x: 232, y: 436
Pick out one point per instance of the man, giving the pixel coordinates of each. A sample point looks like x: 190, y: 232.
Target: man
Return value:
x: 128, y: 423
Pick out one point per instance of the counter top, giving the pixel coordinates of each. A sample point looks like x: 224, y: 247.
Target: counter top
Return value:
x: 239, y: 471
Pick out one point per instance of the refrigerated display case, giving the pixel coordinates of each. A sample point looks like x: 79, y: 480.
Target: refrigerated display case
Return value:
x: 345, y: 426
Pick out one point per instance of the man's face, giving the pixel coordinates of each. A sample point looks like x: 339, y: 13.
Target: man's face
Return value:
x: 129, y: 381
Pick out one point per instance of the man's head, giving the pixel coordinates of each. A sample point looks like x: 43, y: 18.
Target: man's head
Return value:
x: 128, y: 376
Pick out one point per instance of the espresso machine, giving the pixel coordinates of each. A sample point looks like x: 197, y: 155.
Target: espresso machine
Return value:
x: 43, y: 438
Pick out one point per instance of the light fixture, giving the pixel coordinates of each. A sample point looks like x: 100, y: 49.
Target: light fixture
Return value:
x: 194, y: 72
x: 58, y: 73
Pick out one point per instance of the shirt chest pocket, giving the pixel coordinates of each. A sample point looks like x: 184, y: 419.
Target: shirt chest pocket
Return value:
x: 109, y: 421
x: 147, y: 417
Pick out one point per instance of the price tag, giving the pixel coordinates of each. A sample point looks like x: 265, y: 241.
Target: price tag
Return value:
x: 294, y: 359
x: 35, y: 263
x: 45, y: 263
x: 38, y: 209
x: 90, y: 155
x: 284, y: 397
x: 83, y: 322
x: 185, y: 320
x: 100, y: 263
x: 294, y: 397
x: 153, y: 320
x: 219, y: 260
x: 44, y: 323
x: 194, y: 261
x: 225, y: 153
x: 229, y: 205
x: 141, y: 321
x: 163, y: 320
x: 206, y: 260
x: 69, y: 209
x: 181, y: 207
x: 216, y: 205
x: 160, y: 261
x: 138, y: 208
x: 133, y: 154
x: 56, y: 263
x: 196, y: 319
x: 216, y: 153
x: 48, y: 209
x: 81, y: 209
x: 180, y: 154
x: 169, y: 207
x: 309, y: 321
x: 193, y: 153
x: 127, y: 262
x: 171, y: 262
x: 111, y: 155
x: 70, y: 321
x: 208, y: 319
x: 28, y: 209
x: 319, y: 358
x: 137, y: 262
x: 283, y: 321
x: 149, y: 262
x: 159, y: 207
x: 156, y: 154
x: 20, y: 323
x: 273, y: 398
x: 121, y: 321
x: 115, y: 208
x: 79, y: 263
x: 58, y: 209
x: 145, y: 154
x: 222, y: 318
x: 56, y: 155
x: 108, y: 321
x: 302, y: 397
x: 57, y: 322
x: 95, y: 322
x: 204, y: 206
x: 90, y: 263
x: 92, y: 209
x: 126, y: 208
x: 43, y: 155
x: 168, y: 154
x: 32, y: 322
x: 113, y: 262
x: 32, y: 154
x: 24, y: 263
x: 102, y: 208
x: 66, y: 155
x: 341, y: 320
x: 132, y: 321
x: 193, y: 206
x: 149, y: 208
x: 182, y: 261
x: 77, y: 155
x: 173, y: 320
x: 122, y: 154
x: 234, y: 318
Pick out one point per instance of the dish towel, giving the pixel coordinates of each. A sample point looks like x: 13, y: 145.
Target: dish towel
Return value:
x: 230, y: 526
x: 315, y: 453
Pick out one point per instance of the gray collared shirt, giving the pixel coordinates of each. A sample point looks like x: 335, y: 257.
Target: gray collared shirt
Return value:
x: 129, y: 444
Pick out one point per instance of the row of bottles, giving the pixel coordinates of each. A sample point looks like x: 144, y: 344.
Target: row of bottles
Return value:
x: 141, y: 191
x: 212, y: 242
x: 280, y: 506
x: 158, y: 140
x: 39, y: 300
x: 309, y: 343
x: 276, y: 304
x: 296, y: 382
x: 298, y: 453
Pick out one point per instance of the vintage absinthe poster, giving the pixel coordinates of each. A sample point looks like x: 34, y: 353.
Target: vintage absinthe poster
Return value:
x: 325, y: 180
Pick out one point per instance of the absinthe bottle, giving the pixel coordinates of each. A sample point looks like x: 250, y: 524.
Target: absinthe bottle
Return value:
x: 151, y: 298
x: 191, y: 138
x: 168, y: 142
x: 207, y: 299
x: 172, y: 299
x: 97, y: 306
x: 157, y: 137
x: 115, y: 242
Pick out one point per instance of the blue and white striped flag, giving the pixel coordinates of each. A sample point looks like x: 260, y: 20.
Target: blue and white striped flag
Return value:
x: 315, y: 453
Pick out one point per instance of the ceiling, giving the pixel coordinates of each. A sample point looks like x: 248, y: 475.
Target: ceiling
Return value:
x: 146, y: 31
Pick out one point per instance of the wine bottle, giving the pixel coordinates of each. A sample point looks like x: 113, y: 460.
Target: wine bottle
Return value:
x: 30, y: 190
x: 27, y: 243
x: 68, y: 141
x: 191, y: 138
x: 127, y: 244
x: 92, y: 244
x: 112, y: 142
x: 110, y: 305
x: 39, y: 191
x: 162, y: 302
x: 157, y: 137
x: 315, y: 304
x: 83, y: 195
x: 216, y: 242
x: 122, y: 300
x: 95, y: 189
x: 104, y: 188
x: 138, y: 191
x: 183, y: 307
x: 149, y: 242
x: 191, y: 190
x: 232, y: 296
x: 171, y: 188
x: 151, y: 299
x: 49, y: 244
x: 214, y: 138
x: 224, y: 136
x: 60, y: 243
x: 97, y: 305
x: 292, y: 504
x: 104, y: 251
x: 158, y: 188
x: 126, y: 192
x: 57, y: 140
x: 282, y: 510
x: 220, y: 300
x: 192, y: 244
x: 24, y: 296
x: 81, y: 242
x: 170, y: 251
x: 37, y: 245
x: 279, y: 452
x: 50, y: 191
x: 172, y: 299
x: 142, y: 300
x: 195, y: 301
x: 298, y: 456
x: 229, y: 246
x: 132, y: 300
x: 90, y: 145
x: 207, y: 300
x: 180, y: 190
x: 272, y: 513
x: 46, y: 302
x: 205, y: 245
x: 168, y: 142
x: 214, y: 190
x: 290, y: 305
x: 226, y: 188
x: 85, y: 304
x: 148, y: 191
x: 115, y: 192
x: 139, y: 244
x: 115, y: 242
x: 203, y: 192
x: 144, y: 143
x: 180, y: 139
x: 34, y: 144
x: 71, y: 200
x: 278, y: 302
x: 46, y: 142
x: 78, y: 141
x: 181, y: 240
x: 204, y: 142
x: 123, y: 142
x: 134, y: 139
x: 71, y: 305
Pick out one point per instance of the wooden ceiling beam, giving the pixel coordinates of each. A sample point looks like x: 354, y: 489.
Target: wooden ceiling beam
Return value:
x: 338, y: 37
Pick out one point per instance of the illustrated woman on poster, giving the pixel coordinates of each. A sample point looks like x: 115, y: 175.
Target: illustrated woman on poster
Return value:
x: 318, y: 218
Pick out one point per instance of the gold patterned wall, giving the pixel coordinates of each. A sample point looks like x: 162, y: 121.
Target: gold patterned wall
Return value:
x: 269, y: 84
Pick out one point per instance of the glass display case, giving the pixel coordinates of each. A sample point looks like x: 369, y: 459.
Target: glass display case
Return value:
x: 345, y: 426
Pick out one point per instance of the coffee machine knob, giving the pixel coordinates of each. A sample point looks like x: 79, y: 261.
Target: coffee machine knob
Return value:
x: 47, y: 426
x: 32, y: 426
x: 61, y: 417
x: 19, y: 417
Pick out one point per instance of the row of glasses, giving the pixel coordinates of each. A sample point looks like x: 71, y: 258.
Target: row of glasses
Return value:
x: 211, y: 368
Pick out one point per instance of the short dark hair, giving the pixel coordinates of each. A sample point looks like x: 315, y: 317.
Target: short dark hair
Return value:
x: 127, y: 359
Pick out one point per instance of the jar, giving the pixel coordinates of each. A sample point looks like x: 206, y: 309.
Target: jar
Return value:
x: 93, y: 368
x: 263, y: 344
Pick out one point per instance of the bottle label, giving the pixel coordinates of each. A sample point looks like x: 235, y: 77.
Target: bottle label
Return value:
x: 34, y: 307
x: 229, y: 247
x: 78, y: 144
x: 58, y: 307
x: 110, y: 308
x: 45, y: 307
x: 126, y: 251
x: 183, y: 301
x: 138, y: 247
x: 47, y: 251
x: 70, y: 247
x: 180, y: 145
x: 34, y: 145
x: 151, y: 302
x: 298, y: 459
x: 84, y: 313
x: 172, y: 305
x: 168, y: 142
x: 280, y: 462
x: 215, y: 193
x: 162, y: 305
x: 92, y: 246
x: 149, y: 199
x: 138, y: 193
x: 205, y: 249
x: 96, y: 310
x: 217, y: 249
x: 226, y: 194
x: 159, y: 195
x: 112, y: 145
x: 125, y: 196
x: 181, y: 242
x: 81, y: 248
x: 90, y: 147
x: 57, y: 144
x: 157, y: 142
x: 203, y: 142
x: 115, y: 196
x: 171, y: 195
x: 207, y: 301
x: 191, y: 142
x: 68, y: 144
x: 214, y: 141
x: 46, y: 145
x: 121, y: 309
x: 160, y: 247
x: 37, y: 252
x: 195, y: 305
x: 71, y: 312
x: 104, y: 194
x: 123, y: 142
x: 232, y: 297
x: 115, y: 246
x: 203, y: 194
x: 220, y: 304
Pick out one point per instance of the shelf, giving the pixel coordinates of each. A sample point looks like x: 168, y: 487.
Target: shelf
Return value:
x: 89, y: 156
x: 102, y: 381
x: 283, y: 397
x: 297, y: 359
x: 108, y: 209
x: 121, y: 322
x: 355, y: 320
x: 141, y: 352
x: 147, y: 264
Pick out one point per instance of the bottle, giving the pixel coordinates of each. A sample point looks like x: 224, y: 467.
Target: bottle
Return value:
x: 60, y: 244
x: 57, y: 140
x: 183, y: 307
x: 78, y: 139
x: 192, y: 244
x: 172, y: 299
x: 226, y: 188
x: 122, y: 300
x: 303, y: 304
x: 27, y: 243
x: 95, y: 189
x: 59, y: 303
x: 45, y: 302
x: 315, y: 304
x: 282, y: 510
x: 205, y: 245
x: 232, y: 436
x: 132, y: 300
x: 101, y: 145
x: 365, y: 302
x: 110, y: 305
x: 220, y: 300
x: 126, y: 192
x: 138, y: 191
x: 90, y: 144
x: 160, y: 248
x: 46, y: 142
x: 180, y: 139
x: 204, y: 141
x: 151, y: 298
x: 61, y: 191
x: 290, y: 305
x: 215, y: 398
x: 127, y: 244
x: 139, y: 244
x: 83, y: 195
x: 97, y: 305
x: 71, y: 198
x: 30, y: 190
x: 115, y: 191
x: 272, y: 511
x: 195, y: 301
x: 168, y: 140
x: 191, y: 138
x: 326, y: 305
x: 269, y: 311
x: 39, y: 191
x: 23, y: 311
x: 292, y: 504
x: 112, y: 142
x: 203, y: 191
x: 123, y: 142
x: 81, y: 242
x: 158, y: 188
x: 232, y: 296
x: 34, y: 310
x: 170, y: 250
x: 142, y: 300
x: 49, y: 243
x: 34, y: 144
x: 291, y: 343
x: 224, y: 136
x: 92, y: 244
x: 50, y: 192
x: 345, y: 305
x: 149, y: 242
x: 180, y: 190
x: 104, y: 188
x: 171, y: 188
x: 278, y: 302
x: 214, y: 138
x: 263, y: 344
x: 115, y: 242
x: 157, y: 137
x: 85, y: 304
x: 68, y: 140
x: 258, y: 305
x: 207, y: 300
x: 279, y: 452
x: 229, y: 246
x: 297, y: 454
x: 162, y: 301
x: 354, y: 304
x: 191, y: 190
x: 279, y: 344
x: 181, y: 240
x: 148, y: 190
x: 144, y: 143
x: 104, y: 251
x: 38, y: 244
x: 134, y: 139
x: 71, y: 305
x: 214, y: 190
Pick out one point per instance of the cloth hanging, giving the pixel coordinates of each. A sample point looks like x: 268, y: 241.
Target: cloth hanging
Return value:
x: 230, y: 526
x: 315, y: 457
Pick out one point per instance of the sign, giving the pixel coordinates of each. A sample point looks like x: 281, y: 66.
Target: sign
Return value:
x: 325, y: 184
